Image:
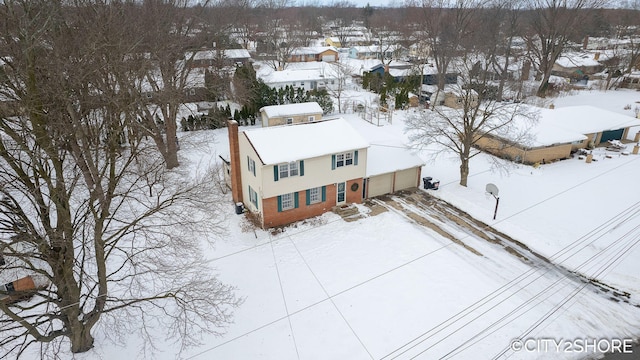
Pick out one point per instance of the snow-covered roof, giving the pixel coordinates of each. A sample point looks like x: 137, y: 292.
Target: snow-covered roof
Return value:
x: 228, y: 54
x: 588, y: 119
x: 543, y: 131
x: 312, y: 50
x: 383, y: 159
x: 564, y: 125
x: 304, y: 141
x: 571, y: 60
x: 291, y: 109
x: 292, y: 75
x: 366, y: 49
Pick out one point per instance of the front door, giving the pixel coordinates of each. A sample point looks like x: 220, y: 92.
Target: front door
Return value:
x: 341, y: 193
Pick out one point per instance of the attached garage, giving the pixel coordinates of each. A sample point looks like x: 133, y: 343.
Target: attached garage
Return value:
x: 407, y: 178
x: 612, y: 135
x: 329, y: 58
x: 379, y: 185
x: 390, y: 169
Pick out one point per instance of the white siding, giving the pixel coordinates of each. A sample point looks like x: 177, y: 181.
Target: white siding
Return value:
x: 317, y: 172
x: 248, y: 179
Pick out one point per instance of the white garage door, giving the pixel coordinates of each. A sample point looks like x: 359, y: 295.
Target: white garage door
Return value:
x: 328, y: 58
x: 406, y: 179
x: 380, y: 184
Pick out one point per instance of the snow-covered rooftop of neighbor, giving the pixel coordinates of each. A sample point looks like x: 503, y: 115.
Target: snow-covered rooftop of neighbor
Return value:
x: 538, y: 128
x: 588, y: 119
x: 279, y: 144
x: 312, y: 50
x: 228, y: 53
x: 571, y: 60
x: 291, y: 75
x: 382, y: 159
x: 292, y: 109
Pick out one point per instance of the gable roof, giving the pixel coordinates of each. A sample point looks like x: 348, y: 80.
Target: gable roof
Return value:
x: 292, y: 109
x: 280, y: 144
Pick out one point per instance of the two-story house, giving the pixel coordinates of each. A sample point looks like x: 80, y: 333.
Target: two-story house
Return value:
x: 289, y: 173
x: 290, y: 114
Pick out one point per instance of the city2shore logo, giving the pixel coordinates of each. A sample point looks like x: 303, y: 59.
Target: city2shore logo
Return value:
x: 581, y: 345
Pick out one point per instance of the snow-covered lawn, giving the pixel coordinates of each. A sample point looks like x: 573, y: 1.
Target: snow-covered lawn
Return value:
x: 385, y: 287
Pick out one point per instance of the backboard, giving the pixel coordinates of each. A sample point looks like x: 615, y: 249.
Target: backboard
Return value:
x: 492, y: 189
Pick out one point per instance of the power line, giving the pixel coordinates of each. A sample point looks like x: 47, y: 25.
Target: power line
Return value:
x: 459, y: 349
x: 401, y: 265
x: 576, y: 291
x: 501, y: 291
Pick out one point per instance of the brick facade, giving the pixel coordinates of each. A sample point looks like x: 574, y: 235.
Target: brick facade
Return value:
x: 354, y: 196
x: 273, y: 217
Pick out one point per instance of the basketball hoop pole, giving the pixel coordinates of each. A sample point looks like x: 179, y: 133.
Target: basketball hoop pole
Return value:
x: 493, y: 190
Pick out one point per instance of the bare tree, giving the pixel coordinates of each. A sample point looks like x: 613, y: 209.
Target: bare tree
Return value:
x: 386, y: 29
x: 551, y: 25
x: 613, y: 67
x: 168, y: 30
x: 84, y: 207
x: 447, y: 26
x: 341, y: 71
x: 500, y: 25
x: 474, y: 114
x: 282, y: 41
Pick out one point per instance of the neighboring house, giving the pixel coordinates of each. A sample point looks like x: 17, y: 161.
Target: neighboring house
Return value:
x: 399, y: 70
x: 208, y: 58
x: 290, y: 114
x: 456, y: 99
x: 577, y: 67
x: 375, y: 52
x: 598, y: 125
x: 557, y: 133
x: 307, y: 79
x: 307, y: 54
x: 419, y: 51
x: 364, y: 52
x: 529, y: 141
x: 390, y: 169
x: 289, y: 173
x: 333, y: 41
x: 452, y: 96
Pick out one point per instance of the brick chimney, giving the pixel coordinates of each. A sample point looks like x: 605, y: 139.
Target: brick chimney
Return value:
x: 234, y: 158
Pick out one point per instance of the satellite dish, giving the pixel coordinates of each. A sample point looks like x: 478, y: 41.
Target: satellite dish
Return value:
x: 492, y: 189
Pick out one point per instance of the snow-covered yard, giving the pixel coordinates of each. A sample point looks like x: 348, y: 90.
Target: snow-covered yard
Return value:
x: 386, y: 287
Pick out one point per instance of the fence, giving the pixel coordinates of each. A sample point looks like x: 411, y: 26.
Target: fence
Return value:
x: 371, y: 113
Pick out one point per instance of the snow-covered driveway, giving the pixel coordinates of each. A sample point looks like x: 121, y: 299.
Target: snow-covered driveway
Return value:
x: 387, y: 287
